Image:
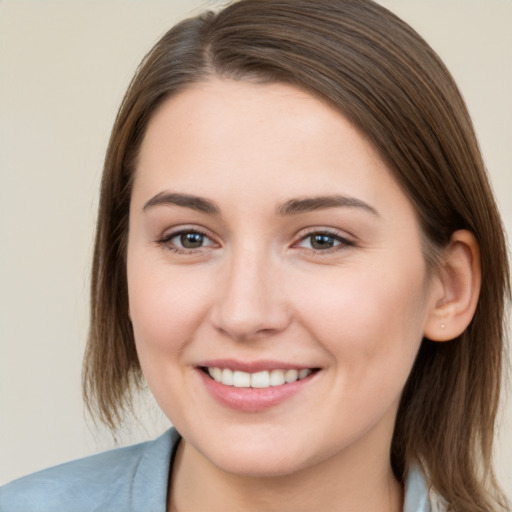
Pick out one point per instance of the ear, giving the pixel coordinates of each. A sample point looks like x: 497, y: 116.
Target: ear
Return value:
x: 455, y: 288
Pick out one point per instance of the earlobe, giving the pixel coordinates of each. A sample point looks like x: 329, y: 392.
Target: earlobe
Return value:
x: 456, y: 289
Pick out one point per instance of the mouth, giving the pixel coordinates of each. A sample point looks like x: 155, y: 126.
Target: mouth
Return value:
x: 255, y: 386
x: 259, y: 380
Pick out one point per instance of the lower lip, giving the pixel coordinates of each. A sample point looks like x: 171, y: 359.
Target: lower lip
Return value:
x: 253, y: 399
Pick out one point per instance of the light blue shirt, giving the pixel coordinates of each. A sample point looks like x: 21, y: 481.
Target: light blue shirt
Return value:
x: 132, y: 479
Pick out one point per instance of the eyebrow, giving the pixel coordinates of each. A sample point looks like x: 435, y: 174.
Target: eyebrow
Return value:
x: 197, y: 203
x: 291, y: 207
x: 310, y: 204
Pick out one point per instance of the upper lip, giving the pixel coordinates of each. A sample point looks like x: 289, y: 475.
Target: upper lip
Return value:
x: 253, y: 366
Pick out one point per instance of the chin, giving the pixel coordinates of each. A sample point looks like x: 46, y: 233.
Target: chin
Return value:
x: 260, y: 465
x: 262, y: 456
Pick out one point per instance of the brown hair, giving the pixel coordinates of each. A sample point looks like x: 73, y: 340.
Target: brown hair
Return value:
x: 381, y: 75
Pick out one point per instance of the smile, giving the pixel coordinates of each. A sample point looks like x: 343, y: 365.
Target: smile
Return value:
x: 255, y: 386
x: 261, y: 379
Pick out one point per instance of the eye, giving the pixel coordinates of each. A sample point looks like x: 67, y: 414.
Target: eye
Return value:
x: 324, y: 241
x: 186, y: 240
x: 190, y: 240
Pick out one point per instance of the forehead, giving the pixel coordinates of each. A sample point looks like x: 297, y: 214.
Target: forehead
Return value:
x: 232, y: 129
x: 227, y: 109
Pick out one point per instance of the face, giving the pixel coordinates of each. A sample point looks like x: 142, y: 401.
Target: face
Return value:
x: 277, y: 287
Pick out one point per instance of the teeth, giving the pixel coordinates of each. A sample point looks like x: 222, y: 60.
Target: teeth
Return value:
x: 217, y: 374
x: 304, y: 373
x: 277, y: 378
x: 241, y: 379
x: 291, y: 375
x: 262, y: 379
x: 227, y: 377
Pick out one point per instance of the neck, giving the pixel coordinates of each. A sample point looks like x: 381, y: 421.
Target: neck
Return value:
x: 341, y: 483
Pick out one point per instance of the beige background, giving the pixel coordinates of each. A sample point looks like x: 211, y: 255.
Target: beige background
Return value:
x: 63, y: 69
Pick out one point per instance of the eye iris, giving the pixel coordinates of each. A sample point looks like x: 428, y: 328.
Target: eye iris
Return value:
x: 322, y: 241
x: 191, y: 240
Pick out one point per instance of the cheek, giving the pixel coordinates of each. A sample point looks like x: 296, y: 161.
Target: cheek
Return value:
x: 371, y: 320
x: 371, y: 325
x: 166, y: 309
x: 165, y: 305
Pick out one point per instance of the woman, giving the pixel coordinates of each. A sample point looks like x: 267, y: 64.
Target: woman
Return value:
x: 298, y: 249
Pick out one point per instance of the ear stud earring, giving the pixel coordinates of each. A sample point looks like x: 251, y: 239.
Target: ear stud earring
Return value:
x: 443, y: 326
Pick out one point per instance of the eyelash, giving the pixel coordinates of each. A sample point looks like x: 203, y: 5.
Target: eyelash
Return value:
x: 167, y: 244
x: 342, y: 242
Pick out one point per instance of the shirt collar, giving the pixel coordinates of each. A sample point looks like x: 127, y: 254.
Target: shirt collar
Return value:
x: 418, y: 496
x: 416, y: 491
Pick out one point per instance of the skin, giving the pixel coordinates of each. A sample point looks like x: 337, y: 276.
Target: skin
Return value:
x: 257, y: 289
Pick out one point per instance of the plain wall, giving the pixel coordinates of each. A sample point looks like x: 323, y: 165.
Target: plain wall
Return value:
x: 64, y: 67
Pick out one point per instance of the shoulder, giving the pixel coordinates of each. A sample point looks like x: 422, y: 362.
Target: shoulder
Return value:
x: 132, y: 479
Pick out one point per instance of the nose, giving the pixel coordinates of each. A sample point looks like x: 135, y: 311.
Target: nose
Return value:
x: 250, y: 300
